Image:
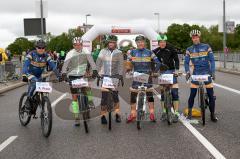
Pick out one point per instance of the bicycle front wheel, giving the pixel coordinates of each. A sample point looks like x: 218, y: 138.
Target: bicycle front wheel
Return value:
x: 46, y: 116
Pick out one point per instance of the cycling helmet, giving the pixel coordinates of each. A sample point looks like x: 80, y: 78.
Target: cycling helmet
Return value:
x: 40, y: 44
x: 111, y: 38
x: 162, y: 37
x: 77, y: 40
x: 195, y: 33
x: 140, y: 38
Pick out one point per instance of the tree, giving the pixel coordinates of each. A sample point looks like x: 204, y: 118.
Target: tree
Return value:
x: 19, y: 45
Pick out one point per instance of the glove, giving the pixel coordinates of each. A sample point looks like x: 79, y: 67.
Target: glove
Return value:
x: 24, y: 78
x: 121, y: 79
x: 95, y: 74
x: 188, y: 75
x: 213, y: 76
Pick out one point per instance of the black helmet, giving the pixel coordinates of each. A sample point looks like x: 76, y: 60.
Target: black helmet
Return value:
x: 111, y: 38
x: 40, y: 43
x: 140, y: 38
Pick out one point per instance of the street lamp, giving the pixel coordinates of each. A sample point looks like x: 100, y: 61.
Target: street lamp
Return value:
x: 158, y: 26
x: 41, y: 10
x: 87, y: 15
x: 224, y: 33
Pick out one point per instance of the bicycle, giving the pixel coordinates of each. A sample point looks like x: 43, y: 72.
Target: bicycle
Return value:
x: 166, y: 82
x: 202, y: 98
x: 141, y: 96
x: 40, y: 100
x: 109, y: 84
x: 81, y: 84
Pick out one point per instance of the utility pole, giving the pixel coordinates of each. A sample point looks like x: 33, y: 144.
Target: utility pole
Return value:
x: 224, y: 33
x: 41, y: 9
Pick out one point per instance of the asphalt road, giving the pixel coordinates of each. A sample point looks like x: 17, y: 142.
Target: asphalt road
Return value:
x: 155, y: 140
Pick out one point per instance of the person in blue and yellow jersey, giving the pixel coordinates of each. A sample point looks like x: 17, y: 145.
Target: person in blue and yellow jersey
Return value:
x: 202, y: 58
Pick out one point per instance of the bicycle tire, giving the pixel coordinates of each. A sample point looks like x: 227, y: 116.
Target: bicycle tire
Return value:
x: 168, y: 106
x: 46, y: 131
x: 202, y: 105
x: 20, y: 107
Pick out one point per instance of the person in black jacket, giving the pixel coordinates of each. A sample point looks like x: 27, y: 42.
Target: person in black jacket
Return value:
x: 168, y: 55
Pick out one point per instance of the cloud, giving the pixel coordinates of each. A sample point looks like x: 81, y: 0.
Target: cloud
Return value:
x: 63, y: 14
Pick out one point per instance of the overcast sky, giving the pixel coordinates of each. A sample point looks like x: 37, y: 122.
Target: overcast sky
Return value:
x: 65, y: 14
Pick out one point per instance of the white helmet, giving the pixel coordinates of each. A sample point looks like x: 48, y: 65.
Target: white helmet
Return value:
x: 195, y: 32
x: 77, y: 40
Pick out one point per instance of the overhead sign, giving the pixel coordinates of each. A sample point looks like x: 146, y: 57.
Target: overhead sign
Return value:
x: 32, y: 26
x: 120, y: 30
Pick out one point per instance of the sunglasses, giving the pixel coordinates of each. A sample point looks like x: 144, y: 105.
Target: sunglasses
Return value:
x: 40, y: 48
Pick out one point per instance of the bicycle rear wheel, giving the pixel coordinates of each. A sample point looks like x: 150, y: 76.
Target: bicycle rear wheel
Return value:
x: 202, y: 104
x: 84, y: 108
x: 24, y: 116
x: 46, y: 116
x: 168, y: 107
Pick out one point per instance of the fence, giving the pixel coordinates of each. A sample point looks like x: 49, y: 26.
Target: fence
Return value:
x: 11, y: 70
x: 232, y: 60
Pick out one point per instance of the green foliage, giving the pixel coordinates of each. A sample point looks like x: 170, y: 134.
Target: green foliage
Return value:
x: 19, y: 45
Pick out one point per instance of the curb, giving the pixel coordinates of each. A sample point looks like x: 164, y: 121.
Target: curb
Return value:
x: 228, y: 71
x: 17, y: 85
x: 11, y: 87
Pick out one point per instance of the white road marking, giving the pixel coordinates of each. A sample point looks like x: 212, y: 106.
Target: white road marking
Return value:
x: 59, y: 99
x: 198, y: 135
x: 202, y: 139
x: 7, y: 142
x: 227, y: 88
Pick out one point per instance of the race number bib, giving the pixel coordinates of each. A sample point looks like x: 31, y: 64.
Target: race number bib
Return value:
x: 140, y: 77
x: 199, y: 78
x: 165, y: 79
x: 110, y: 82
x: 43, y: 87
x: 79, y: 83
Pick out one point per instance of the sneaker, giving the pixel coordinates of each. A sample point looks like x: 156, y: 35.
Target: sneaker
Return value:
x: 214, y: 118
x: 28, y: 106
x: 77, y: 122
x: 118, y: 118
x: 103, y: 120
x: 131, y: 119
x: 152, y: 117
x: 175, y: 118
x: 164, y: 117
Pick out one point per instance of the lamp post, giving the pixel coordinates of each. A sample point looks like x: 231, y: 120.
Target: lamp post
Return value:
x: 87, y: 15
x: 224, y: 33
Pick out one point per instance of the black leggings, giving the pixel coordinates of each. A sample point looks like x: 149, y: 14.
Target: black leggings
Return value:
x: 210, y: 93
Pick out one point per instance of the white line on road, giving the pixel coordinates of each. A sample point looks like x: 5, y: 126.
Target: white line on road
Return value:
x: 199, y: 136
x: 202, y: 139
x: 227, y: 88
x: 7, y: 142
x: 59, y: 99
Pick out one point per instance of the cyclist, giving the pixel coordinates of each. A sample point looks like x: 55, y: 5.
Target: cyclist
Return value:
x: 110, y: 63
x: 202, y: 58
x: 142, y: 60
x: 33, y: 68
x: 169, y: 56
x: 74, y: 66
